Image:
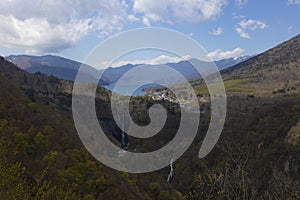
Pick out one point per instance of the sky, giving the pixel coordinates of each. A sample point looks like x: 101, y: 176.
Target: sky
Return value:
x: 72, y: 28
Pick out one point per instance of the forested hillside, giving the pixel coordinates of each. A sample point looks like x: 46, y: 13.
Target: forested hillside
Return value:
x: 41, y: 154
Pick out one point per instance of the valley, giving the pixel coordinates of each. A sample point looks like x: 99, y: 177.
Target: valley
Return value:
x: 257, y: 156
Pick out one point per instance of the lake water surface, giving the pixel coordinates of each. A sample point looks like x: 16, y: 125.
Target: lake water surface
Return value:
x: 125, y: 89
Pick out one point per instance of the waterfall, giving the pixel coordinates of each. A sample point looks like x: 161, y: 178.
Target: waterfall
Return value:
x: 121, y: 152
x: 170, y: 176
x: 123, y: 133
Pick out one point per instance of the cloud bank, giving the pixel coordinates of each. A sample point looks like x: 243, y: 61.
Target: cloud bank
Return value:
x: 178, y: 11
x: 51, y: 26
x: 218, y: 54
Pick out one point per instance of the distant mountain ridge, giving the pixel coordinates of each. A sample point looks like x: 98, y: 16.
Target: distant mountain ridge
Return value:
x: 53, y: 65
x: 67, y: 69
x: 229, y: 62
x: 184, y: 67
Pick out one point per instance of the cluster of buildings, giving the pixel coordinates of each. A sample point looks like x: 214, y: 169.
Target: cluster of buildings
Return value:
x: 166, y: 96
x: 162, y: 95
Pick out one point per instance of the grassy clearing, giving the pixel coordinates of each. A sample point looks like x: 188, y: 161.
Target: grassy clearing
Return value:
x: 236, y: 85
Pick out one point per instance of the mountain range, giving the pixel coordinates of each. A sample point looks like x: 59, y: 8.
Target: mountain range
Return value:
x: 67, y: 69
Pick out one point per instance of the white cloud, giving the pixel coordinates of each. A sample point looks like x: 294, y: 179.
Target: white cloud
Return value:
x: 290, y: 30
x: 252, y: 24
x: 242, y: 33
x: 217, y: 31
x: 51, y: 26
x: 163, y: 59
x: 38, y: 35
x: 293, y: 2
x: 249, y: 25
x: 174, y: 11
x: 132, y: 18
x: 240, y: 3
x: 218, y: 54
x: 146, y: 22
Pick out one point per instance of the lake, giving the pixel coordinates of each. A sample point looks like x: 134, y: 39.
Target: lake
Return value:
x: 124, y: 89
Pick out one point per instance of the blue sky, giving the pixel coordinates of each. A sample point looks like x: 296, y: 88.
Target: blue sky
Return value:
x: 72, y: 28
